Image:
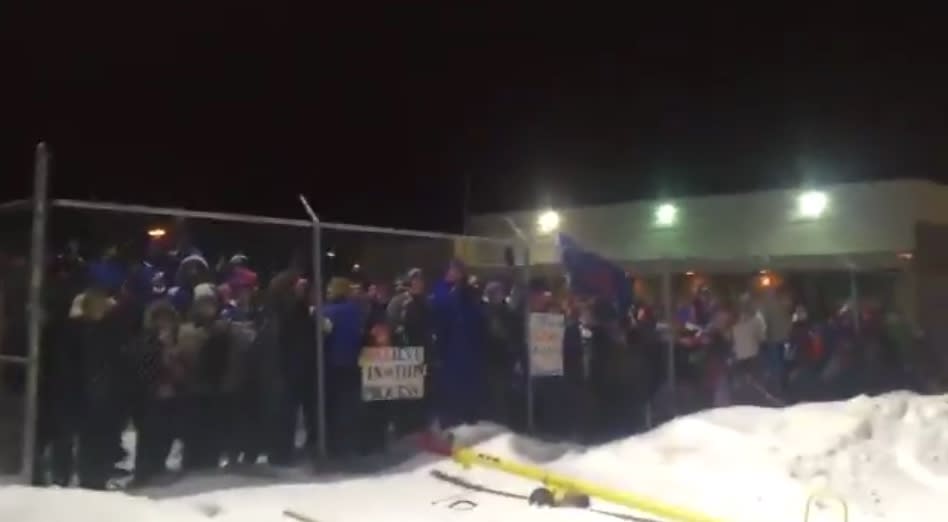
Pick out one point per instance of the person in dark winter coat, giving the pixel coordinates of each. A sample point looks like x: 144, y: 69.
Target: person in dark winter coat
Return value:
x: 612, y: 369
x: 502, y: 346
x: 296, y: 345
x: 201, y: 353
x: 344, y: 320
x: 67, y: 279
x: 379, y: 297
x: 578, y: 404
x: 152, y: 358
x: 458, y: 318
x: 86, y: 368
x: 409, y: 316
x: 241, y: 287
x: 192, y: 271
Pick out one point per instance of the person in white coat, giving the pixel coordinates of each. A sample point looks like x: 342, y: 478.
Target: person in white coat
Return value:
x: 748, y: 333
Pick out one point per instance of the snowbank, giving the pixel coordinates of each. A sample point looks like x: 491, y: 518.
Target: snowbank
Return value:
x: 886, y: 456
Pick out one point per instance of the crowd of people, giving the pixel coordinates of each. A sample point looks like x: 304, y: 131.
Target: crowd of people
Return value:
x: 172, y: 348
x: 765, y: 345
x: 169, y: 347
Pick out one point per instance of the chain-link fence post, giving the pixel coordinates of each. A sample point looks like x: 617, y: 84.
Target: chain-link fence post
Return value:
x: 35, y: 306
x: 321, y: 442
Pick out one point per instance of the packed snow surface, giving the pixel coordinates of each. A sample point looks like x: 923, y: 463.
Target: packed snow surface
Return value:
x: 886, y: 457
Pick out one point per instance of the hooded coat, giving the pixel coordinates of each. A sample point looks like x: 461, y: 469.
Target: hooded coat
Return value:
x: 460, y: 379
x: 344, y: 342
x: 88, y: 362
x: 149, y: 360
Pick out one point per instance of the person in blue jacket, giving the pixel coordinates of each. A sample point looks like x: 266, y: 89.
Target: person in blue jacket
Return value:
x: 344, y: 320
x: 460, y: 387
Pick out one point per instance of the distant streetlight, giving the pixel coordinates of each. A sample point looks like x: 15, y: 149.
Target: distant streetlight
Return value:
x: 157, y: 233
x: 666, y: 215
x: 812, y: 204
x: 356, y: 267
x: 548, y: 221
x: 330, y: 254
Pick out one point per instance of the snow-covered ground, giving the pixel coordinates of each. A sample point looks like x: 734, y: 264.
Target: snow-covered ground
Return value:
x: 887, y: 457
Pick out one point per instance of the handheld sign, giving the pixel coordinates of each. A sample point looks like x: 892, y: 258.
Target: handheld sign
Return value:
x: 393, y: 373
x: 546, y: 344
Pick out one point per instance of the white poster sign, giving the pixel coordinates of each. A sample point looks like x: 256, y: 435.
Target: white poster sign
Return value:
x: 546, y: 344
x: 393, y: 373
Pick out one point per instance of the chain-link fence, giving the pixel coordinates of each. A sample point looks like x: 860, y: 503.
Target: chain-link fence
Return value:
x: 15, y: 221
x: 192, y: 340
x: 167, y: 328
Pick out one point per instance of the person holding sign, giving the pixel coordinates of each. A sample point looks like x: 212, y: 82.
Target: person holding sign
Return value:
x: 409, y: 313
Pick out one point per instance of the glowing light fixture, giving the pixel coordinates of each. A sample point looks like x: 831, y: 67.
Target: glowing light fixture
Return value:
x: 548, y: 221
x: 356, y: 267
x: 156, y: 233
x: 906, y: 256
x: 689, y: 273
x: 812, y: 204
x: 330, y: 254
x: 666, y: 215
x: 766, y: 281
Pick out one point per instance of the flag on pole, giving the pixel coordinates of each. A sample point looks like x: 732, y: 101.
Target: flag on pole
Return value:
x: 591, y: 275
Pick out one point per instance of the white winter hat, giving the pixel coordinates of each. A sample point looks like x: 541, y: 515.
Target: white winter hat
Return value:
x: 205, y: 290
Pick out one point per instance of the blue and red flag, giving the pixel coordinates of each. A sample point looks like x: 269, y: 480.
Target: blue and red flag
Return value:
x: 591, y: 275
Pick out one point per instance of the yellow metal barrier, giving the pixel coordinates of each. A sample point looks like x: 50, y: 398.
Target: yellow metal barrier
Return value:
x: 816, y: 497
x: 563, y: 486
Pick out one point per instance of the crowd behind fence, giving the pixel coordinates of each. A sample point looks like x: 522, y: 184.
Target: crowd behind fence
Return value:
x: 240, y: 340
x: 206, y: 333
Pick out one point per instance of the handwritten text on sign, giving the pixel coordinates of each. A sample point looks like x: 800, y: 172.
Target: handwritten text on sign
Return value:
x: 546, y: 344
x: 393, y: 373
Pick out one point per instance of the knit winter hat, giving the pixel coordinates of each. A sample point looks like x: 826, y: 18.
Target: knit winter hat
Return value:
x: 195, y: 258
x: 242, y: 278
x: 205, y: 290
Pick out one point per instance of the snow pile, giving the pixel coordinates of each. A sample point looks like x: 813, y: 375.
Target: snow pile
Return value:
x: 887, y: 457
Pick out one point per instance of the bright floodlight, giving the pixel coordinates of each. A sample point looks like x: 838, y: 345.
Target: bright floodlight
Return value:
x: 666, y: 214
x: 548, y: 221
x: 812, y: 204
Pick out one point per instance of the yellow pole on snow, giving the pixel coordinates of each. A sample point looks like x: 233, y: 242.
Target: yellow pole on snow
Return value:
x: 468, y: 457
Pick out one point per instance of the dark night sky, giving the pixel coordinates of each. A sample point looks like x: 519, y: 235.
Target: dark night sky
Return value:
x: 378, y: 114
